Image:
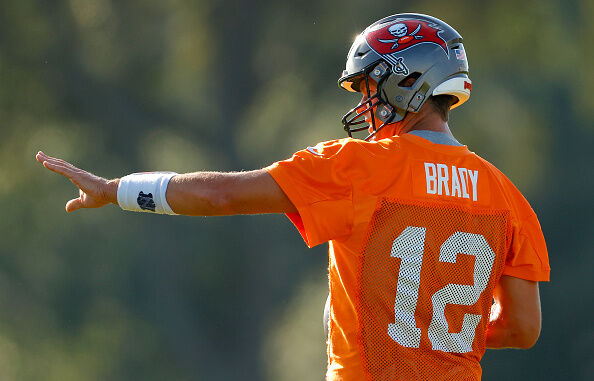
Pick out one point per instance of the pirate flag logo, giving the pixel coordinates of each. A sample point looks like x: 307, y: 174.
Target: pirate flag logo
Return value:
x: 403, y: 34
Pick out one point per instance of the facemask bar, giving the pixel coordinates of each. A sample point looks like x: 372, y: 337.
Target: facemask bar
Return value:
x: 355, y: 118
x: 384, y: 112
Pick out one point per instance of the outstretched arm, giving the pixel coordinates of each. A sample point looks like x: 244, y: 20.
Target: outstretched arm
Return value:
x: 196, y: 194
x: 515, y: 316
x: 219, y: 193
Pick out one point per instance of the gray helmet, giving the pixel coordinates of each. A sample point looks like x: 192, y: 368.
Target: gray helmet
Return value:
x: 395, y: 49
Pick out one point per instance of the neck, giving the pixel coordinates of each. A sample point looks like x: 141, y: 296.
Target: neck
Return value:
x: 423, y: 120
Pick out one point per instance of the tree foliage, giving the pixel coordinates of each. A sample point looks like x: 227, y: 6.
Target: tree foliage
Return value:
x: 126, y: 86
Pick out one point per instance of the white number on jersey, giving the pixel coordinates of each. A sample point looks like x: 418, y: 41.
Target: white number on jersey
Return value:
x: 409, y: 246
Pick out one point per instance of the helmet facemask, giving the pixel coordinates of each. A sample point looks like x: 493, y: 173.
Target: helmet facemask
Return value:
x: 376, y: 106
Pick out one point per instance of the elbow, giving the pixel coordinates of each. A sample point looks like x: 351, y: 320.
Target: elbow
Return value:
x: 524, y: 336
x: 516, y: 315
x: 527, y: 338
x: 505, y: 334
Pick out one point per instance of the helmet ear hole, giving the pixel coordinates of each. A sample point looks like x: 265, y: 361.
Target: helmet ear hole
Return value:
x: 410, y: 80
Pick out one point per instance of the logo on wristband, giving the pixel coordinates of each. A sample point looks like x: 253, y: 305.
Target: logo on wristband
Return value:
x: 145, y: 201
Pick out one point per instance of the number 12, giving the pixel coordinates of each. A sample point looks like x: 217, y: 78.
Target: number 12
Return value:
x: 409, y: 247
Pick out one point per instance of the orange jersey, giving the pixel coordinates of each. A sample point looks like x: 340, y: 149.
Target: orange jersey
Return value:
x: 420, y: 234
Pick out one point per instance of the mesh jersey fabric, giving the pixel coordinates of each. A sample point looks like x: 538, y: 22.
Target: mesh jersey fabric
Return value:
x: 419, y: 235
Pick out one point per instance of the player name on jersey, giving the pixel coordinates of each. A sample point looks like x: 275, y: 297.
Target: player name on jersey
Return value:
x: 442, y: 179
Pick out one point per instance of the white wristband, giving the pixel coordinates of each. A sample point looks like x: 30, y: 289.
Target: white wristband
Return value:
x: 145, y: 192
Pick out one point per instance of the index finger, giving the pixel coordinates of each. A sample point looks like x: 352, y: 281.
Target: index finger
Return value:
x: 61, y: 169
x: 42, y: 158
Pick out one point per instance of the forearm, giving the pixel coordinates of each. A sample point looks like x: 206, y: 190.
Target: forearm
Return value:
x: 226, y: 193
x: 195, y: 194
x: 506, y: 330
x: 189, y: 194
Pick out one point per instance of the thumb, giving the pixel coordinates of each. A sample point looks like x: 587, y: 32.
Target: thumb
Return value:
x: 74, y: 204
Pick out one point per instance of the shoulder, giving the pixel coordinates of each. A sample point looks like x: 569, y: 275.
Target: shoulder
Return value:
x: 514, y: 197
x: 343, y: 161
x: 348, y: 147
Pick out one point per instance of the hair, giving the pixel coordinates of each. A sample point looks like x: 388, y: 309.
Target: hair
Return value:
x: 441, y: 104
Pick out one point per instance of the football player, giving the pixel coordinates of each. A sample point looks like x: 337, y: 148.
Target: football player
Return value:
x: 434, y: 254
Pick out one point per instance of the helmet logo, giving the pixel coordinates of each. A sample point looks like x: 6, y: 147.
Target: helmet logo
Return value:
x: 400, y: 31
x: 399, y: 66
x: 404, y: 34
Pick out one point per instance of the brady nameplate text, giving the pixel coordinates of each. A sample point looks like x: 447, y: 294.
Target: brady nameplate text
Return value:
x: 442, y: 179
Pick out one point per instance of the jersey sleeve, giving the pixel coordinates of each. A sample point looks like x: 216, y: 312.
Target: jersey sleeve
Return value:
x: 528, y: 258
x: 318, y: 181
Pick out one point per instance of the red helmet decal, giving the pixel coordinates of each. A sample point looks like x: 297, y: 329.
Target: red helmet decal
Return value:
x: 403, y: 34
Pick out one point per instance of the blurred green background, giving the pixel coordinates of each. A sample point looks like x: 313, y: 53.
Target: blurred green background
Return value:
x: 126, y: 86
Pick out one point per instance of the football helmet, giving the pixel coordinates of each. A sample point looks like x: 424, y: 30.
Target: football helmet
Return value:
x: 410, y: 57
